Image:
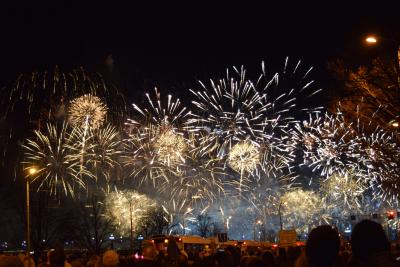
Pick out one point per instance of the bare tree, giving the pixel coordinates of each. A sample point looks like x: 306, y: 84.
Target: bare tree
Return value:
x: 204, y: 225
x: 93, y: 227
x: 368, y: 89
x: 153, y: 222
x: 48, y: 220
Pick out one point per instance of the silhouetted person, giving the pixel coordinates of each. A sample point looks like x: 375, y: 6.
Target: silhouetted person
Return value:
x: 322, y: 246
x: 370, y: 246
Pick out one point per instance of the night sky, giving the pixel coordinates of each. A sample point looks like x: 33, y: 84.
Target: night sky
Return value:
x: 173, y: 47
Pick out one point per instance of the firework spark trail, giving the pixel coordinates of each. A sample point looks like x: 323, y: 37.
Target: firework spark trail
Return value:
x: 303, y: 210
x: 170, y: 148
x: 126, y: 206
x: 199, y: 180
x: 344, y: 192
x: 244, y: 158
x: 104, y: 151
x: 87, y: 112
x: 177, y: 213
x: 327, y: 142
x: 159, y: 112
x: 235, y: 109
x: 141, y: 157
x: 53, y: 153
x: 379, y: 160
x: 40, y: 97
x: 231, y: 109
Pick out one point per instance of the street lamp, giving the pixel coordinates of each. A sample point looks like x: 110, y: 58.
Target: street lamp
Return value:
x: 371, y: 39
x: 258, y: 222
x: 131, y: 222
x: 31, y: 171
x: 280, y: 215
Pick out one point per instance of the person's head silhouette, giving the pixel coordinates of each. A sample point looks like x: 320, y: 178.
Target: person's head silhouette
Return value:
x: 367, y: 239
x: 322, y: 246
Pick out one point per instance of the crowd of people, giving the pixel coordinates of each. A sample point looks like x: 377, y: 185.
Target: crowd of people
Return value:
x: 369, y: 248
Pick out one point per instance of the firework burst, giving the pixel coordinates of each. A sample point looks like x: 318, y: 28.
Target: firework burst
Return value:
x: 124, y: 207
x: 40, y: 97
x: 140, y: 157
x: 344, y: 192
x: 103, y: 151
x: 170, y: 148
x: 228, y: 112
x: 327, y: 142
x: 159, y: 112
x: 53, y: 154
x: 232, y: 110
x: 379, y: 160
x: 200, y: 181
x: 244, y: 157
x: 303, y: 210
x: 178, y: 211
x: 87, y: 111
x: 156, y: 143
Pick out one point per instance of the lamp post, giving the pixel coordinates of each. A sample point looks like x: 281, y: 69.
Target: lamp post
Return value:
x: 373, y: 40
x: 254, y: 232
x: 131, y: 219
x: 31, y: 172
x: 280, y: 215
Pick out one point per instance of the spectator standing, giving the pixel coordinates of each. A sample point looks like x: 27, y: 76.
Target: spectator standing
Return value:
x: 370, y: 246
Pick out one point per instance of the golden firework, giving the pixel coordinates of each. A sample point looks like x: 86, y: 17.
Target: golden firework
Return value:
x: 303, y: 210
x: 87, y: 111
x: 170, y: 148
x: 344, y: 190
x: 244, y: 157
x: 124, y: 207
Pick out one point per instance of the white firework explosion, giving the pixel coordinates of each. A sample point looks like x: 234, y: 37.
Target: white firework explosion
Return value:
x: 303, y: 210
x: 327, y: 142
x: 344, y: 192
x: 53, y: 154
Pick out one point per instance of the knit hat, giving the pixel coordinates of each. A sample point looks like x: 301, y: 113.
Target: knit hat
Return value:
x: 110, y: 258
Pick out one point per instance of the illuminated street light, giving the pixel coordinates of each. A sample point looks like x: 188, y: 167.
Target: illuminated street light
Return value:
x: 371, y: 39
x: 32, y: 171
x: 395, y: 124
